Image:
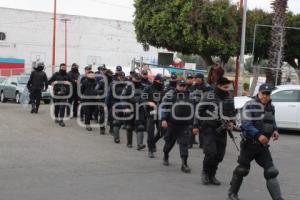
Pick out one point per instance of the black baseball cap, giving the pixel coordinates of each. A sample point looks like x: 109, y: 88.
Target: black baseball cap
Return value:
x: 266, y: 88
x: 138, y: 77
x: 181, y: 82
x: 159, y: 77
x: 119, y: 68
x: 223, y: 81
x: 88, y: 68
x: 173, y: 76
x: 199, y: 75
x: 145, y: 72
x: 189, y: 75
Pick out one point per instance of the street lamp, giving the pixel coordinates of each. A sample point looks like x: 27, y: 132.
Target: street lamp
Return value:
x: 242, y: 56
x: 54, y: 38
x: 65, y: 21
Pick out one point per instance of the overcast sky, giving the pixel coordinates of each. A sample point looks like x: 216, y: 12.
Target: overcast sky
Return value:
x: 112, y: 9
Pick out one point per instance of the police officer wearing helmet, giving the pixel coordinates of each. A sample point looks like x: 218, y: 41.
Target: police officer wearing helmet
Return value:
x: 176, y: 115
x: 217, y: 106
x: 38, y: 81
x: 154, y: 94
x: 258, y: 127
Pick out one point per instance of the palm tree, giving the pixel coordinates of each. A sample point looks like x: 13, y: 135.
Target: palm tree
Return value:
x: 277, y: 38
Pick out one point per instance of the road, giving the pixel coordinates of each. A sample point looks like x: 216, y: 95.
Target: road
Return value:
x: 41, y: 161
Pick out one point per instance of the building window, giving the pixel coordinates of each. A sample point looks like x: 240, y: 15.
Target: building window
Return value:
x: 2, y: 36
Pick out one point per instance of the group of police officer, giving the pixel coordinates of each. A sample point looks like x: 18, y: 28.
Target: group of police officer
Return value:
x: 177, y: 112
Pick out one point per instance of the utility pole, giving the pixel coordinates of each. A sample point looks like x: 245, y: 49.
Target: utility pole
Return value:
x: 242, y: 57
x: 65, y: 21
x: 237, y: 65
x: 54, y: 38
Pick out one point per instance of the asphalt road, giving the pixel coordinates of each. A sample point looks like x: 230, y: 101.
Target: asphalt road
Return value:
x: 41, y: 161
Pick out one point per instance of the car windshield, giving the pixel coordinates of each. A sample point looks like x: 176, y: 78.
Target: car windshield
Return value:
x: 23, y: 80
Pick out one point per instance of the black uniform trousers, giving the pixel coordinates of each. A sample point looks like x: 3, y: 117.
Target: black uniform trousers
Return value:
x: 181, y: 134
x: 59, y: 110
x: 214, y: 147
x: 74, y: 102
x: 255, y: 151
x: 152, y: 137
x: 35, y: 98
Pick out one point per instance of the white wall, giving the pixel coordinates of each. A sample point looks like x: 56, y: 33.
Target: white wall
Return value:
x: 29, y: 34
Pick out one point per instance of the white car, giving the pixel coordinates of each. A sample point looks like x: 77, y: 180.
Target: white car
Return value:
x: 286, y: 99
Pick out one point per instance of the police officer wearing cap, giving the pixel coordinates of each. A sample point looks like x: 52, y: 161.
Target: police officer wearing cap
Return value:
x: 197, y: 90
x: 114, y: 93
x: 176, y: 115
x: 38, y: 81
x: 137, y: 122
x: 172, y: 83
x: 217, y: 106
x: 154, y: 95
x: 258, y: 127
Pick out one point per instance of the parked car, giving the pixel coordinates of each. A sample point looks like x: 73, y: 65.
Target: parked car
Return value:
x: 13, y: 87
x: 286, y: 99
x: 2, y: 79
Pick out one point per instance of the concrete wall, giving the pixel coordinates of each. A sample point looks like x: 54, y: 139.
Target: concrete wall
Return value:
x: 29, y: 36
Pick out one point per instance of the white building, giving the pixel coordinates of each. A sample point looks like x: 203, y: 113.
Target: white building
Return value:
x: 28, y: 36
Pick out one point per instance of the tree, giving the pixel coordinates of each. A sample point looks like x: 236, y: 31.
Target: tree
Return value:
x: 277, y: 35
x: 202, y: 27
x: 292, y: 51
x: 262, y: 38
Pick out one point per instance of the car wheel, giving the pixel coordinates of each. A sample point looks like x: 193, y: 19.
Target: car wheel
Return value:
x: 17, y: 97
x: 2, y: 97
x: 47, y: 101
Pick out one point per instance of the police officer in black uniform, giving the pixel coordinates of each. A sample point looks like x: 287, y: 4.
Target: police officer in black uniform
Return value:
x: 145, y: 79
x: 221, y: 104
x: 197, y: 90
x: 74, y: 100
x: 90, y: 95
x: 137, y: 122
x: 258, y: 127
x: 172, y: 83
x: 113, y: 98
x: 154, y: 94
x: 61, y: 89
x: 176, y: 115
x: 38, y: 81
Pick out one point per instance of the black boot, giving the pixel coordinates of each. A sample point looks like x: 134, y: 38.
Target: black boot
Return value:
x: 129, y: 139
x: 205, y: 178
x: 274, y: 189
x: 232, y: 196
x: 214, y: 180
x: 140, y: 140
x: 116, y: 132
x: 61, y: 123
x: 102, y: 131
x: 166, y: 160
x: 89, y: 128
x: 33, y: 109
x: 235, y: 185
x: 184, y: 167
x: 151, y: 154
